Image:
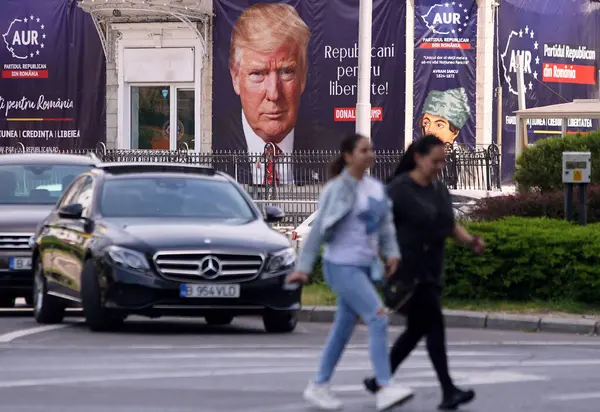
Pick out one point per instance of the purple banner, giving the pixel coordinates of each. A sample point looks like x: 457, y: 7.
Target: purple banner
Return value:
x: 290, y: 77
x: 560, y: 43
x: 445, y: 70
x: 52, y: 84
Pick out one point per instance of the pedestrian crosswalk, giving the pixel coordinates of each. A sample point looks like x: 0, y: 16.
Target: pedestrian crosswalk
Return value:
x: 251, y: 369
x: 461, y: 378
x: 250, y: 377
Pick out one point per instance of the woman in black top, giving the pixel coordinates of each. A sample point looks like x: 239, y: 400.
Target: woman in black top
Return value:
x: 424, y: 218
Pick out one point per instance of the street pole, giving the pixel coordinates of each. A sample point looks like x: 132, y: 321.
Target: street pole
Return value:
x: 363, y: 102
x: 521, y: 138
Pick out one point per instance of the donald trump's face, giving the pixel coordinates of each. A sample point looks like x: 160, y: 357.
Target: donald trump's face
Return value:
x: 270, y: 85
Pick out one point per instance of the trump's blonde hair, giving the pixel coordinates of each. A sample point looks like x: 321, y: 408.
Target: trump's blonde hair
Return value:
x: 265, y: 28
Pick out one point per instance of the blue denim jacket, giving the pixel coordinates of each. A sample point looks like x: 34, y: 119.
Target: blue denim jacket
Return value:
x: 337, y: 200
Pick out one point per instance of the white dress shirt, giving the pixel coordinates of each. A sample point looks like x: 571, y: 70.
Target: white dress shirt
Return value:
x: 256, y: 146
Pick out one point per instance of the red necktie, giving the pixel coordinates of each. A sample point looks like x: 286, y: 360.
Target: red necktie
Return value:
x: 270, y: 154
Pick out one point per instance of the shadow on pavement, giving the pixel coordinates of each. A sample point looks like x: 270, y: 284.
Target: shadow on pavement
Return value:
x: 176, y: 326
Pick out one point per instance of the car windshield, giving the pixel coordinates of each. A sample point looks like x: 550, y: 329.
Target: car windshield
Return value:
x: 39, y: 184
x: 173, y: 197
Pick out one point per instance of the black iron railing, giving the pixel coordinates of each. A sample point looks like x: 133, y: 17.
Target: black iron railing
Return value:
x: 298, y: 178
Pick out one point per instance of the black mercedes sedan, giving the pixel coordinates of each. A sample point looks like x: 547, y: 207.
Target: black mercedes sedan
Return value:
x: 155, y: 239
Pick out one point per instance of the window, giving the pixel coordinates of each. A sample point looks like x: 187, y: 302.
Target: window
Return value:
x: 70, y: 192
x: 173, y: 197
x: 84, y: 194
x: 36, y: 183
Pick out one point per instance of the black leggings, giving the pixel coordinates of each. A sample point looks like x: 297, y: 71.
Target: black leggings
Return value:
x: 425, y: 317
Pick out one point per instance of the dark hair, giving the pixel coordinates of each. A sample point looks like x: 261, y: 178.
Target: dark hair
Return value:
x: 347, y: 146
x: 422, y: 146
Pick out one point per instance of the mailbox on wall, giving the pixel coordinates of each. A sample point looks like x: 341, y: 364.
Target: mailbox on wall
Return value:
x: 577, y: 167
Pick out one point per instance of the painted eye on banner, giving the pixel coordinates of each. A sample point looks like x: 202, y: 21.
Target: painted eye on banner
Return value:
x: 25, y: 37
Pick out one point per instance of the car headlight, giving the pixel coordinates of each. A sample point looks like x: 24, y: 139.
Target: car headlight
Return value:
x: 280, y: 261
x: 128, y: 258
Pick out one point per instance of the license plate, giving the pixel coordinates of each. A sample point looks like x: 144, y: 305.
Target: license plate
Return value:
x: 17, y: 263
x: 197, y: 290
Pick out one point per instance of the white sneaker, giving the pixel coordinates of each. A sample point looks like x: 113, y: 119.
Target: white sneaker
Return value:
x: 321, y: 397
x: 392, y: 395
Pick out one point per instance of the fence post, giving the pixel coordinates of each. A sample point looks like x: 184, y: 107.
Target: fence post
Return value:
x: 488, y: 168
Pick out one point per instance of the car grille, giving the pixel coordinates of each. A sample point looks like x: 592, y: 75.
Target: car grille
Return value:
x: 15, y: 241
x: 188, y: 266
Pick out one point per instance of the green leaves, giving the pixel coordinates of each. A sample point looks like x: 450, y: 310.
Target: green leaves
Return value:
x: 525, y: 259
x: 540, y: 166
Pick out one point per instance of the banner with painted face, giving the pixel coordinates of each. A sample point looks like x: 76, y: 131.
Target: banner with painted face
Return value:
x: 559, y: 41
x: 286, y: 72
x: 445, y: 70
x: 52, y: 83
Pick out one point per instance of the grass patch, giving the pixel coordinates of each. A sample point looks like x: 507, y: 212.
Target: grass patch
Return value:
x: 321, y: 295
x: 317, y: 295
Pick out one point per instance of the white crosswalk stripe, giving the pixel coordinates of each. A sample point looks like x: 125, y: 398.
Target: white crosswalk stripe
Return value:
x: 461, y: 378
x: 249, y: 369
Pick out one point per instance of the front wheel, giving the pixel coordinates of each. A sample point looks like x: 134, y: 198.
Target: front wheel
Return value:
x: 280, y: 322
x: 47, y: 309
x: 98, y: 317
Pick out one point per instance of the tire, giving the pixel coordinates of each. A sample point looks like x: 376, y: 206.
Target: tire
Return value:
x: 280, y: 322
x: 7, y: 301
x: 98, y: 318
x: 47, y: 309
x: 218, y: 319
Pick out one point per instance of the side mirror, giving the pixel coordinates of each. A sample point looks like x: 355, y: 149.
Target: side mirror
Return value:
x: 72, y: 211
x: 273, y: 214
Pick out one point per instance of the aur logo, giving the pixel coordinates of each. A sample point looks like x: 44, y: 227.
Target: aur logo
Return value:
x: 521, y: 43
x: 447, y: 18
x: 25, y: 37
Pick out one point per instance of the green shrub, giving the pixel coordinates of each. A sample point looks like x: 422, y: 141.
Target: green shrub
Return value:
x: 540, y: 166
x: 534, y: 204
x: 527, y: 259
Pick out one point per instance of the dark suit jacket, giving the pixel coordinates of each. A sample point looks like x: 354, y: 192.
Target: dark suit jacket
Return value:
x: 309, y: 168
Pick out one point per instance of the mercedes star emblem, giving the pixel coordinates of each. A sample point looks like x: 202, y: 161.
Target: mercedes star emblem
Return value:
x: 210, y: 267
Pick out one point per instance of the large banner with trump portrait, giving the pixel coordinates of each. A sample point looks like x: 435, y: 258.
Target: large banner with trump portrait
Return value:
x: 445, y: 70
x: 285, y: 72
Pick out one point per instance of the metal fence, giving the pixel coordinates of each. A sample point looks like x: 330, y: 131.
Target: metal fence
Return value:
x: 299, y: 177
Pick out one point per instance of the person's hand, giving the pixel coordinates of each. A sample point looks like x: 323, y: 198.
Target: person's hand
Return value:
x: 297, y: 277
x: 391, y: 266
x: 478, y: 245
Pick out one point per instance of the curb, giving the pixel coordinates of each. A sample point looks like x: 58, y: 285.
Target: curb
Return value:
x: 480, y: 320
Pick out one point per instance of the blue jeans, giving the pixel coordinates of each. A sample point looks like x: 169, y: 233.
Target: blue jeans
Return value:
x: 356, y: 295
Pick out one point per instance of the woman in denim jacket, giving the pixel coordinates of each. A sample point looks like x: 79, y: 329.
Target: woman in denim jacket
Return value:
x: 355, y: 223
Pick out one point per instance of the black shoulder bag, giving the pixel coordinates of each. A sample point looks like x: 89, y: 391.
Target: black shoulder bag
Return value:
x: 399, y: 289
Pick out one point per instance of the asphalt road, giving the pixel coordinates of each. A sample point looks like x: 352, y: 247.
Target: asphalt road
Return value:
x: 184, y: 365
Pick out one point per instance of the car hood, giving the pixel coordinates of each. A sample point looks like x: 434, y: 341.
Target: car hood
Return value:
x: 154, y: 235
x: 22, y: 218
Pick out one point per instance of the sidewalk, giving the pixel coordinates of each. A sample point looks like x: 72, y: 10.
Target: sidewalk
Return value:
x: 577, y: 324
